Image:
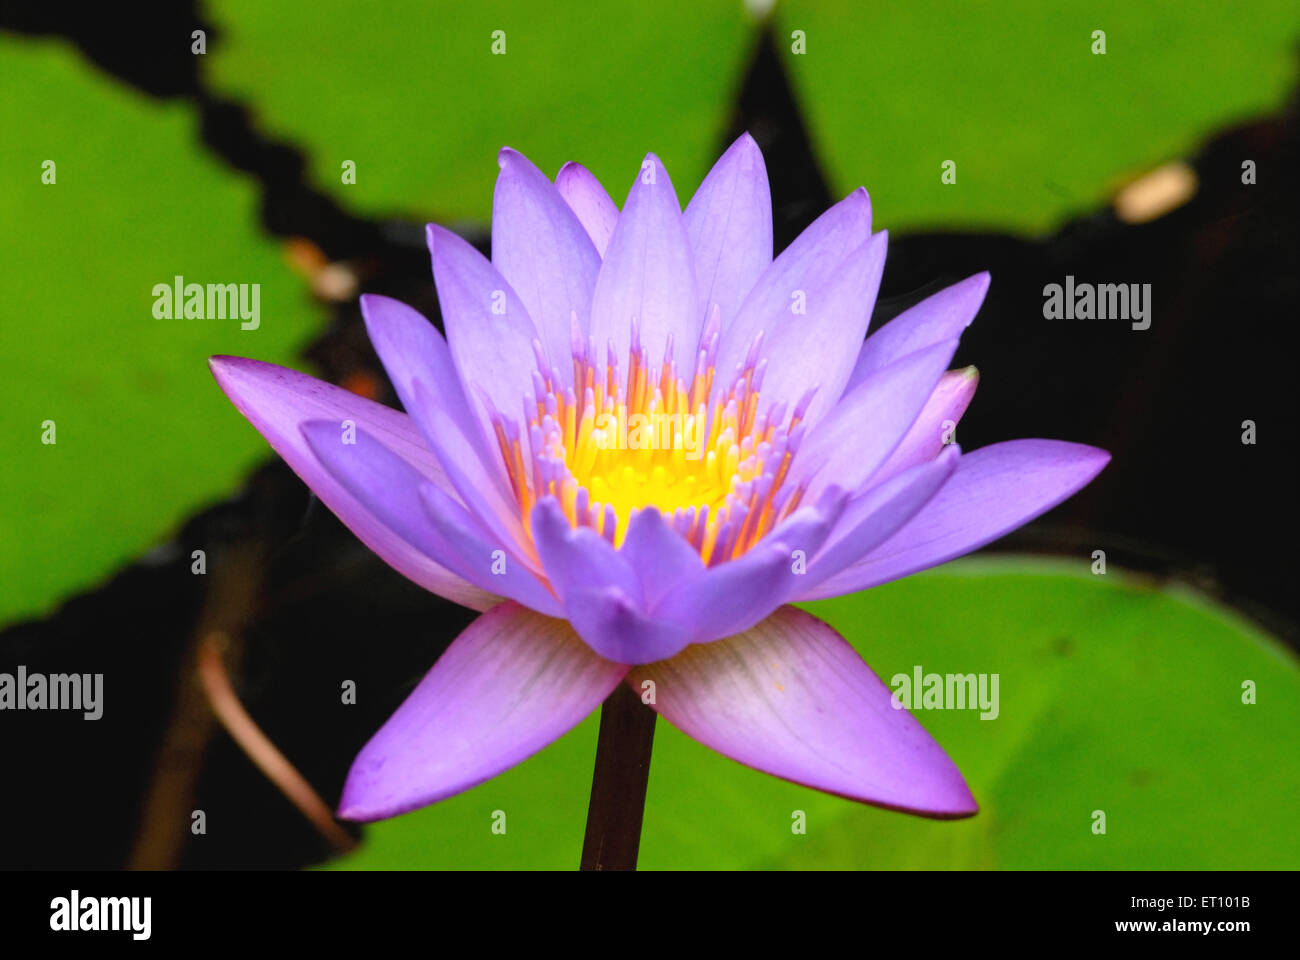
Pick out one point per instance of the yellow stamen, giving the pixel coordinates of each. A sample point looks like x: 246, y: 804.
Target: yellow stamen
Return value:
x: 711, y: 465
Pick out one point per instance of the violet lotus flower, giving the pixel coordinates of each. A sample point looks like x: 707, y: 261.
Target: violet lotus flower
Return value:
x: 798, y: 462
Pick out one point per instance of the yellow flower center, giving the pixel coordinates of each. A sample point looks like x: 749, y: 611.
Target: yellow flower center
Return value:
x: 714, y: 467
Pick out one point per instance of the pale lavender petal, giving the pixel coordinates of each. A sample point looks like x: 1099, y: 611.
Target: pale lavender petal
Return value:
x: 993, y: 491
x: 512, y: 683
x: 411, y: 348
x: 648, y: 276
x: 589, y: 201
x: 488, y: 329
x: 935, y: 425
x: 737, y: 594
x: 810, y: 263
x: 277, y: 401
x: 865, y: 427
x: 791, y: 698
x: 729, y: 223
x: 815, y: 349
x: 939, y: 317
x: 543, y: 251
x: 874, y: 516
x: 660, y: 555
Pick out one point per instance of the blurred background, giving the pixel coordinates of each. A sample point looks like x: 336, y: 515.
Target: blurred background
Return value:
x: 213, y: 140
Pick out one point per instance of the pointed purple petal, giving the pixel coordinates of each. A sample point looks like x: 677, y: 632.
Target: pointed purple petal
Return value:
x: 543, y: 251
x: 411, y: 348
x: 729, y: 223
x: 660, y: 555
x: 472, y: 481
x: 816, y: 349
x: 589, y: 201
x: 484, y: 560
x: 579, y: 558
x: 394, y: 493
x: 488, y: 329
x: 791, y: 698
x: 876, y: 515
x: 382, y: 482
x: 934, y: 426
x: 277, y: 401
x: 993, y: 491
x: 735, y: 595
x: 865, y: 427
x: 811, y: 262
x: 512, y: 683
x: 603, y: 595
x: 648, y: 276
x: 613, y: 625
x: 939, y: 317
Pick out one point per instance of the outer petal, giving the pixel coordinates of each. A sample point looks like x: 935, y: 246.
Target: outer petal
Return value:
x: 277, y: 401
x: 648, y: 275
x: 735, y: 595
x: 876, y: 515
x: 481, y: 559
x: 488, y: 329
x: 473, y: 481
x: 865, y: 427
x: 992, y: 492
x: 933, y: 428
x: 791, y: 698
x: 411, y: 349
x: 589, y: 201
x: 811, y: 262
x: 816, y: 349
x: 542, y: 249
x: 510, y: 684
x: 729, y: 223
x: 390, y: 489
x: 939, y: 317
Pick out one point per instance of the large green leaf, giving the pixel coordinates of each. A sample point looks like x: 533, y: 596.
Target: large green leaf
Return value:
x: 1114, y: 694
x: 143, y: 435
x: 1039, y: 126
x: 412, y: 93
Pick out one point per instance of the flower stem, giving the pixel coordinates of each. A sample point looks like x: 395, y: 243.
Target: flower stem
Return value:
x: 618, y: 785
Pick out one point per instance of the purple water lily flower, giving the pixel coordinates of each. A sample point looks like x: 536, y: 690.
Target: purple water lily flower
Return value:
x: 641, y: 440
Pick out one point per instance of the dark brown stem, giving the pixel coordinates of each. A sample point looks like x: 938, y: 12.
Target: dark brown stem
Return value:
x: 627, y: 731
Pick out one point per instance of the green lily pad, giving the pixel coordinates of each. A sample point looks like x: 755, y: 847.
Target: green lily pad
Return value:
x: 1115, y: 695
x: 142, y: 434
x: 1038, y: 126
x: 421, y: 109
